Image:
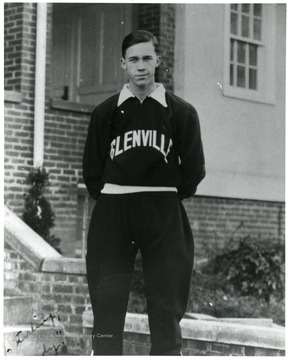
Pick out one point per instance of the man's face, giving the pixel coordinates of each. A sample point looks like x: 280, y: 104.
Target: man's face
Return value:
x: 140, y: 63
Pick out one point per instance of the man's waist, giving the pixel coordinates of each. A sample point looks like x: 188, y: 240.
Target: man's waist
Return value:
x: 127, y: 189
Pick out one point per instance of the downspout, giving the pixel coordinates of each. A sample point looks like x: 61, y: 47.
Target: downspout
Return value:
x: 40, y: 73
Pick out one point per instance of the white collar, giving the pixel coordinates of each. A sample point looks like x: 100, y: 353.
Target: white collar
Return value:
x: 158, y: 94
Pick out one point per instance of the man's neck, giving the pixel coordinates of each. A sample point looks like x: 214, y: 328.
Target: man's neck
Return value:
x: 142, y: 92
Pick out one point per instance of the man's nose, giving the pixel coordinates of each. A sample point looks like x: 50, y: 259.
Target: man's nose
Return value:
x: 141, y: 65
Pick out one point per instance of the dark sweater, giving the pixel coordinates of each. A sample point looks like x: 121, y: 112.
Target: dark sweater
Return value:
x: 144, y: 145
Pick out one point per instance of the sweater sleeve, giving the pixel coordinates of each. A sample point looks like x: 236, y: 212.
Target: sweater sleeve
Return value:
x: 191, y: 154
x: 95, y: 154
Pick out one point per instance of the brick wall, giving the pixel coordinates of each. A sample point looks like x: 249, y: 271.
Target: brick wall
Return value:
x: 167, y: 40
x: 13, y: 26
x: 160, y: 20
x: 217, y: 222
x: 64, y: 142
x: 65, y: 295
x: 20, y: 31
x: 18, y: 153
x: 19, y: 42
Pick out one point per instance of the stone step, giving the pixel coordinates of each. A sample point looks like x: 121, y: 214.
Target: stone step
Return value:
x: 17, y: 310
x: 46, y: 340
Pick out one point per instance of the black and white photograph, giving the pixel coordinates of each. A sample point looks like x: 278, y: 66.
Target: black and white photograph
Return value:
x: 144, y: 178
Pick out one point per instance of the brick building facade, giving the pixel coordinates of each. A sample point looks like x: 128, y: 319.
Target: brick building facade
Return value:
x: 215, y: 220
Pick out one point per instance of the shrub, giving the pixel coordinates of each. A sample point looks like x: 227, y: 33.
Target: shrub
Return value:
x: 212, y: 296
x: 244, y: 282
x: 38, y: 213
x: 228, y: 284
x: 252, y: 269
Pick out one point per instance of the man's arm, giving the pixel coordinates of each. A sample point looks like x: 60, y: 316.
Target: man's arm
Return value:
x: 95, y: 153
x: 191, y: 153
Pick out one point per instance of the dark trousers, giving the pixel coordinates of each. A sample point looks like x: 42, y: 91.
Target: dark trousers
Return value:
x: 157, y: 224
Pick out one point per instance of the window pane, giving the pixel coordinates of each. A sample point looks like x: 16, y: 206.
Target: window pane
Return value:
x: 257, y: 29
x: 245, y: 26
x: 231, y: 74
x: 257, y: 10
x: 241, y: 76
x: 232, y: 44
x: 234, y: 6
x: 252, y: 79
x: 253, y: 55
x: 234, y: 23
x: 241, y: 51
x: 246, y: 8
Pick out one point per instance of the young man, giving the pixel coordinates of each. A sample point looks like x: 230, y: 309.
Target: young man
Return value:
x: 143, y: 154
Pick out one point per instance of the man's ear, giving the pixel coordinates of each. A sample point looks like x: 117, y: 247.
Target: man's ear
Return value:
x: 123, y: 64
x: 158, y: 60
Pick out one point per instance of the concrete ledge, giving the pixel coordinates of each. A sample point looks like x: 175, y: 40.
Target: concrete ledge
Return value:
x: 210, y: 331
x: 232, y: 333
x: 25, y: 241
x: 64, y: 265
x: 245, y: 321
x: 249, y: 322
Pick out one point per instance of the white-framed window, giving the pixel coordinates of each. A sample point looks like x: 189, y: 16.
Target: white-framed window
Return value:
x: 249, y: 52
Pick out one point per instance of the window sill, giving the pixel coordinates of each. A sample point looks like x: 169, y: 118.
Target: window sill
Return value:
x: 249, y: 95
x: 71, y: 106
x: 12, y: 96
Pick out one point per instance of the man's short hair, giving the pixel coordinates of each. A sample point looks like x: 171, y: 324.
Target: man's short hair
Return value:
x: 137, y: 37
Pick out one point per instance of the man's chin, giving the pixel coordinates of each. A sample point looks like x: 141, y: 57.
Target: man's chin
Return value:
x: 142, y: 82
